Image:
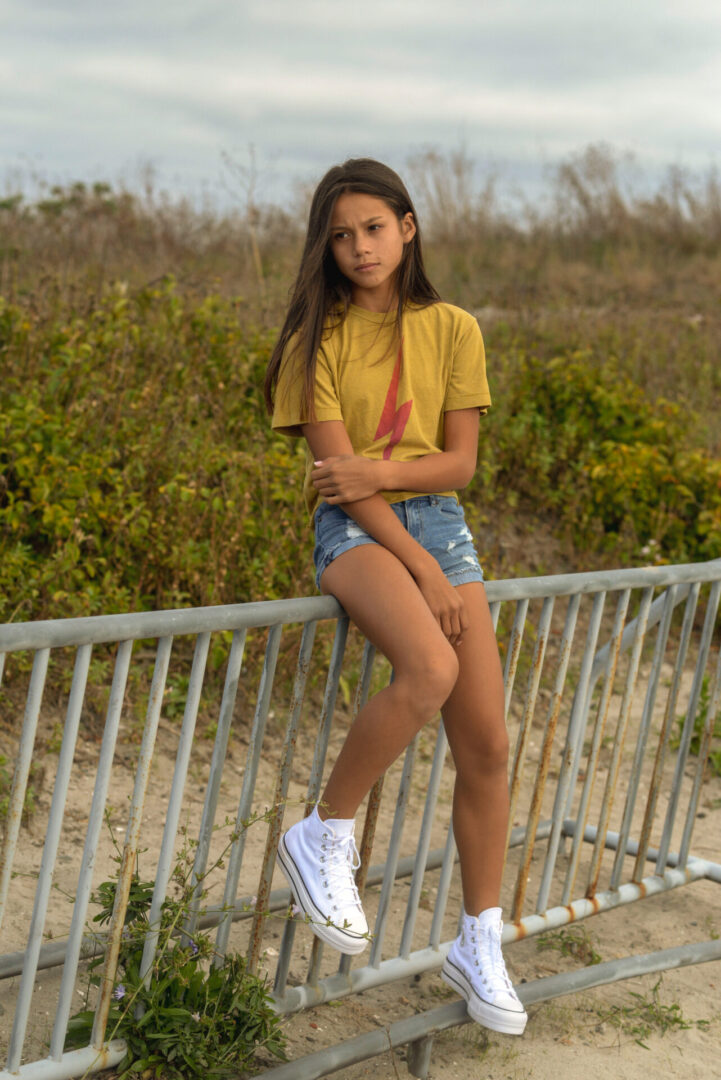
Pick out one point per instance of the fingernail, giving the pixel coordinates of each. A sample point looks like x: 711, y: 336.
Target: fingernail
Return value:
x: 317, y: 462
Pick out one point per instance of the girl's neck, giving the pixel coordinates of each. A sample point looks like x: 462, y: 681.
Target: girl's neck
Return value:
x: 380, y: 302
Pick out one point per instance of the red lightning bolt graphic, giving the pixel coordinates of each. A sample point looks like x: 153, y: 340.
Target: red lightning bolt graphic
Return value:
x: 394, y: 419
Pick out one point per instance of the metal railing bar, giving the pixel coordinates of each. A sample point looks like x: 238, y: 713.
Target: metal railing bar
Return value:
x: 315, y: 780
x: 640, y: 624
x: 96, y: 629
x: 132, y: 841
x: 250, y: 775
x: 424, y: 842
x: 325, y: 720
x: 22, y: 773
x: 666, y: 724
x: 688, y: 727
x: 450, y: 855
x: 596, y: 740
x: 590, y: 835
x: 704, y: 750
x: 50, y: 850
x: 217, y: 761
x: 275, y: 824
x: 391, y: 865
x: 74, y: 1063
x: 644, y: 727
x: 572, y: 748
x: 372, y: 809
x: 514, y: 650
x: 175, y: 802
x: 544, y: 762
x: 533, y: 683
x: 87, y: 863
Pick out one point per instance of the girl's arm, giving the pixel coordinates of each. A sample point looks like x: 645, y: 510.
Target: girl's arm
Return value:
x: 343, y: 477
x: 329, y: 439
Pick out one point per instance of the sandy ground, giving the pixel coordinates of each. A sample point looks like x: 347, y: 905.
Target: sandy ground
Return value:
x: 571, y: 1037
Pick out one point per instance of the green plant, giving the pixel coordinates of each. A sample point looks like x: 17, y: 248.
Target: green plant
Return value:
x: 575, y: 941
x: 6, y: 779
x: 199, y: 1015
x: 699, y: 724
x: 647, y: 1014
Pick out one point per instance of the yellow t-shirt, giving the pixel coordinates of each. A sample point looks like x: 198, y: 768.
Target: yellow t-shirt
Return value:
x: 391, y: 399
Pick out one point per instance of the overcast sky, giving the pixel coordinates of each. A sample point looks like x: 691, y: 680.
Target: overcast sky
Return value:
x: 91, y: 90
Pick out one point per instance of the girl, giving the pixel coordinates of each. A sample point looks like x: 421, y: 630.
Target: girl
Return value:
x: 386, y: 383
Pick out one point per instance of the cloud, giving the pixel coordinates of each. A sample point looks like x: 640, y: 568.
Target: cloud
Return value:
x: 179, y: 82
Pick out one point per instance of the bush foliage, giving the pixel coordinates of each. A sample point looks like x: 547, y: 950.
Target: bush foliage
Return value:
x: 137, y: 468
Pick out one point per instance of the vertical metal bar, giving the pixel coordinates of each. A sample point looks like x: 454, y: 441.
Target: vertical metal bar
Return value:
x: 640, y: 624
x: 424, y: 842
x: 544, y: 762
x: 688, y: 727
x: 87, y: 865
x: 444, y: 884
x: 572, y: 750
x: 255, y: 746
x: 50, y: 849
x: 175, y: 803
x: 276, y: 821
x: 704, y: 749
x: 612, y: 655
x: 315, y: 780
x: 514, y: 650
x: 22, y: 772
x: 325, y: 721
x: 391, y: 863
x: 665, y: 732
x: 372, y: 808
x: 642, y: 736
x: 524, y: 732
x: 212, y: 791
x: 494, y: 608
x: 132, y: 841
x: 2, y: 666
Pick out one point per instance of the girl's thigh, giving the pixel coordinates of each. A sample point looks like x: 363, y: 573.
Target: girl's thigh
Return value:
x: 381, y: 597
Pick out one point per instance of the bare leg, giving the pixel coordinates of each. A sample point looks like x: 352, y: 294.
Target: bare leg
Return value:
x: 384, y: 602
x: 474, y: 721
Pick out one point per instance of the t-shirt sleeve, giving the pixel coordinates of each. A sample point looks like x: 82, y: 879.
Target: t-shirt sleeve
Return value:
x: 468, y: 385
x: 288, y: 411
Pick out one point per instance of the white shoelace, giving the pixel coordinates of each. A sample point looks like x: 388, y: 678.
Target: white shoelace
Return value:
x: 487, y: 946
x: 340, y: 858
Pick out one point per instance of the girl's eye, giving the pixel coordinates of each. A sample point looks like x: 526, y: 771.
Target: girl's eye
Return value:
x: 340, y: 235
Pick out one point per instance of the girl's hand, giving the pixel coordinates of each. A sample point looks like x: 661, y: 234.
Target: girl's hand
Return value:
x: 347, y: 478
x: 444, y: 601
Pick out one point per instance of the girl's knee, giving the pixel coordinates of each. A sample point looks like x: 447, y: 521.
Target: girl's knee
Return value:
x: 483, y: 748
x: 429, y: 680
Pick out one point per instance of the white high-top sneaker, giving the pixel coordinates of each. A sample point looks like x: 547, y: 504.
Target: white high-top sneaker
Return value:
x: 318, y: 858
x: 475, y: 968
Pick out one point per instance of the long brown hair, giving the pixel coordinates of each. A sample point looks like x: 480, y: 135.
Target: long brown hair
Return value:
x: 322, y: 294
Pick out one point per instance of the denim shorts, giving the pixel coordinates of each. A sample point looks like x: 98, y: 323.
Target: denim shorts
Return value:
x: 435, y: 521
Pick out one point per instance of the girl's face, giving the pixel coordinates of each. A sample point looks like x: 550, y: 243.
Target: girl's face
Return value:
x: 367, y: 241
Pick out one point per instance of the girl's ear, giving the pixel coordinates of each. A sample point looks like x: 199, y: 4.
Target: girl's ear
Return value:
x: 408, y: 227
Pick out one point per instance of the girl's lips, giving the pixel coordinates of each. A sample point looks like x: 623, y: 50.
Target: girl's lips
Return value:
x: 366, y: 266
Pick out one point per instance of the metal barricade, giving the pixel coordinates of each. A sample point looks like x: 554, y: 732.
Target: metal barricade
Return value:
x: 612, y: 679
